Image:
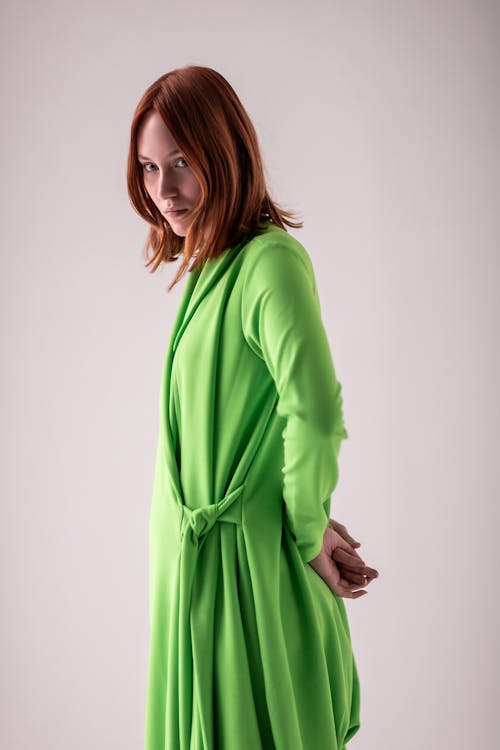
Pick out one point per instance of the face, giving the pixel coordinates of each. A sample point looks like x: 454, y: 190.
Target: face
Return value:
x: 168, y: 178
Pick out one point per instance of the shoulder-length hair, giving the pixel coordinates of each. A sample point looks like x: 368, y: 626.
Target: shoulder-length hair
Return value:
x: 211, y: 127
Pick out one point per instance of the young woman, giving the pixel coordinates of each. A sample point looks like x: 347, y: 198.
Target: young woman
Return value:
x: 249, y: 640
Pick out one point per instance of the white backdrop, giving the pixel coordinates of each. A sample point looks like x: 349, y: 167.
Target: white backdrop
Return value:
x: 379, y: 122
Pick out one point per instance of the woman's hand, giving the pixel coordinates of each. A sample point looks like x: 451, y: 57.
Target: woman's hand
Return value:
x: 349, y: 567
x: 340, y: 566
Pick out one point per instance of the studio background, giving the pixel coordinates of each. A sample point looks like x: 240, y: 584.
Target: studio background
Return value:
x: 379, y: 123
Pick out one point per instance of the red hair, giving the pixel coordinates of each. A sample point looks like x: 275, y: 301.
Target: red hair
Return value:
x: 211, y: 127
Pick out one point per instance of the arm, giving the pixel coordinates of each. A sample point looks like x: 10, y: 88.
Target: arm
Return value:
x: 282, y: 323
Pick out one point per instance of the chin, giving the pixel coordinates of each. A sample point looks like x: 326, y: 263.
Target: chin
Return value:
x: 179, y: 231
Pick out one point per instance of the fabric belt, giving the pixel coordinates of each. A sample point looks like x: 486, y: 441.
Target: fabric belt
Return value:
x: 192, y: 642
x: 197, y: 522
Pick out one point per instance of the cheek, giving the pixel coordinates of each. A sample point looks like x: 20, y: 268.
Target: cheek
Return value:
x: 151, y: 192
x: 193, y: 188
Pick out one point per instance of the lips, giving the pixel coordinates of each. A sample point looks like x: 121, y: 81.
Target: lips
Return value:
x: 176, y: 212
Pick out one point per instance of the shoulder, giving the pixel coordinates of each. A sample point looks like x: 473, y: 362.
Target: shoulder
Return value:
x: 275, y: 253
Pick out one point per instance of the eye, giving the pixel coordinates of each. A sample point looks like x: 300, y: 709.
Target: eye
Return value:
x: 185, y: 162
x: 146, y: 165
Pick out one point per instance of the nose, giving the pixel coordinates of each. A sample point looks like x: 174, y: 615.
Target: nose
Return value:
x: 167, y: 185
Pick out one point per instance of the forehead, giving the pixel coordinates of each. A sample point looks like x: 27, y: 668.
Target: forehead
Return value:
x: 154, y: 138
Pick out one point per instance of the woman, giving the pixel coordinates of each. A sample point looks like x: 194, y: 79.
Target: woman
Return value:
x: 249, y: 642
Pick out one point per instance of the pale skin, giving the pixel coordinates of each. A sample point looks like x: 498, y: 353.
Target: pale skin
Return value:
x: 340, y: 565
x: 172, y: 185
x: 168, y: 178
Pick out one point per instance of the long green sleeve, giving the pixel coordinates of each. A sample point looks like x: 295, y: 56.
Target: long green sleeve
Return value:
x: 282, y: 323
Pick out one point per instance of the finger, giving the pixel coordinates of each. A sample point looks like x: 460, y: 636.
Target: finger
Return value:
x: 348, y: 561
x: 371, y: 572
x: 347, y: 592
x: 341, y: 529
x: 341, y: 586
x: 338, y: 584
x: 349, y: 571
x: 350, y: 584
x: 347, y: 558
x: 350, y: 539
x: 343, y: 557
x: 344, y: 579
x: 353, y: 577
x: 363, y: 569
x: 341, y: 543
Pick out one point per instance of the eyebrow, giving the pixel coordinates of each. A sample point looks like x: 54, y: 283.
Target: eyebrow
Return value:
x: 175, y: 151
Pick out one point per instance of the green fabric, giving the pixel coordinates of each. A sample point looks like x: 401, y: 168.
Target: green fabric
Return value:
x: 249, y: 647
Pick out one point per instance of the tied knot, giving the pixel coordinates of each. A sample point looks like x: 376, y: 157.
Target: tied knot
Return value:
x: 201, y: 520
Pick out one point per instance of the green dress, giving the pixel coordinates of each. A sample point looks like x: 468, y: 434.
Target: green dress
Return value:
x: 249, y: 648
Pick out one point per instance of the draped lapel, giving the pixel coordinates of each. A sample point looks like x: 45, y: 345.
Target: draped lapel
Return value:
x: 200, y: 281
x: 211, y: 271
x: 166, y: 445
